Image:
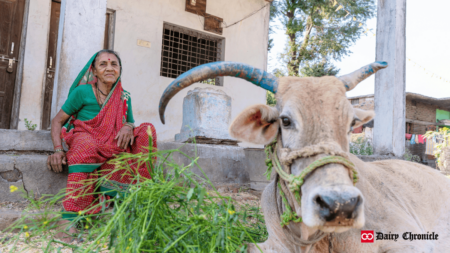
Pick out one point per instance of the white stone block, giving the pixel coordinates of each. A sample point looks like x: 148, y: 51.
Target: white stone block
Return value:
x: 206, y: 114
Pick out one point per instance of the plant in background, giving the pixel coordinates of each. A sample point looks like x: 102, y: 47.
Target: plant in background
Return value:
x: 270, y: 97
x: 29, y: 125
x: 441, y: 149
x: 210, y: 81
x: 319, y: 31
x: 361, y: 146
x: 172, y: 212
x: 273, y: 14
x: 408, y: 156
x: 319, y: 69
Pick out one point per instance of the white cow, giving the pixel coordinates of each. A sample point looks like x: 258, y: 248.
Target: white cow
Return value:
x: 323, y: 210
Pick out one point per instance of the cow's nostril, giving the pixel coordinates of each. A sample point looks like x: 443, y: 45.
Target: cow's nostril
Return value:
x: 325, y: 207
x: 320, y: 202
x: 354, y: 203
x: 348, y: 207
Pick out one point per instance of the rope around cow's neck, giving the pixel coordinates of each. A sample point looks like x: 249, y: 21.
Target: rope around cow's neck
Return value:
x: 295, y: 182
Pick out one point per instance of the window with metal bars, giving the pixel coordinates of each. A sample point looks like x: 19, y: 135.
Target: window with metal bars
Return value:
x: 355, y: 101
x: 184, y: 49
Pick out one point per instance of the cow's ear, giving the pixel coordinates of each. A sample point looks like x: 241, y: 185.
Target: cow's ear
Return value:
x: 257, y: 124
x: 363, y: 117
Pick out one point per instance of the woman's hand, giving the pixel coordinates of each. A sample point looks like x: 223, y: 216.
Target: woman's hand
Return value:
x: 55, y: 161
x: 125, y: 137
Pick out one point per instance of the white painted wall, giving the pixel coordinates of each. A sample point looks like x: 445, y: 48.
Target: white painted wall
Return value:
x: 82, y: 36
x: 245, y: 42
x: 34, y: 65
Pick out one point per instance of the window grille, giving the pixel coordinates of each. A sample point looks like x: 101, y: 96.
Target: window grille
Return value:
x: 355, y: 101
x: 184, y: 49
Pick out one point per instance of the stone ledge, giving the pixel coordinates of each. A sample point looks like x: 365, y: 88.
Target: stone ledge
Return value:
x: 15, y: 140
x: 222, y: 164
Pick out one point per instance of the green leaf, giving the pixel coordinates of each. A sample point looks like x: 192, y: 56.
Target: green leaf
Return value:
x: 189, y: 194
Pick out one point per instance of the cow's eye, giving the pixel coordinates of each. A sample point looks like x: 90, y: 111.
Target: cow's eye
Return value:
x: 285, y: 121
x: 353, y: 123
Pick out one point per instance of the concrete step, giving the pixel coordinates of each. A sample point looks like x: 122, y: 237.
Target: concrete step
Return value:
x: 29, y: 172
x: 14, y: 140
x: 23, y: 163
x: 258, y: 186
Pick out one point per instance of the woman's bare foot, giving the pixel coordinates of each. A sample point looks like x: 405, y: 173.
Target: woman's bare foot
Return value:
x: 63, y: 235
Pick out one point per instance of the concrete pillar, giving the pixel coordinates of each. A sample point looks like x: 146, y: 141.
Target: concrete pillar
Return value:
x: 389, y: 129
x: 206, y: 116
x: 81, y: 34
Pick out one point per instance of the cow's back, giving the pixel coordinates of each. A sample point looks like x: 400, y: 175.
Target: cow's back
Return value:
x: 402, y: 196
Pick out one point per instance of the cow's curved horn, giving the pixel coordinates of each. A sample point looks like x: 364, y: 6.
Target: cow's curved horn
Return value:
x: 211, y: 70
x: 351, y: 80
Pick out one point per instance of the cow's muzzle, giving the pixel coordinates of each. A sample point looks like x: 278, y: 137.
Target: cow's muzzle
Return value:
x: 338, y: 208
x: 334, y: 208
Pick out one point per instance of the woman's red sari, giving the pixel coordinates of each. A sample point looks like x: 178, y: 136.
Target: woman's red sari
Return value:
x: 91, y: 145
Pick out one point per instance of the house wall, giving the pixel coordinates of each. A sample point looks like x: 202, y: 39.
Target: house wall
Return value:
x: 423, y: 112
x: 81, y: 36
x: 34, y: 65
x: 366, y: 103
x: 245, y: 42
x: 419, y: 111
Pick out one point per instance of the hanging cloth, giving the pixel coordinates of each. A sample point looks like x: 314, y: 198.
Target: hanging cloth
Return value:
x: 421, y: 139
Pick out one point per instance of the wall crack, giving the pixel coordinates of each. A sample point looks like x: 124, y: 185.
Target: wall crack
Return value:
x: 13, y: 176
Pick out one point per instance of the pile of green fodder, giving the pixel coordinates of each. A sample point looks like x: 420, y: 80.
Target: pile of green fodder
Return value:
x: 172, y: 212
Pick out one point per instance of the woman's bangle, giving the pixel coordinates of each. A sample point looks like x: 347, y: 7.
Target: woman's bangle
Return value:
x: 59, y: 150
x: 130, y: 125
x: 58, y: 147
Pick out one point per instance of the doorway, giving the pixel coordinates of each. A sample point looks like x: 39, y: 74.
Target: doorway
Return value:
x: 51, y: 63
x: 108, y: 42
x: 11, y: 19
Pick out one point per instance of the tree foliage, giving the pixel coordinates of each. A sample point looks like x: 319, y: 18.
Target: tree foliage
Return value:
x: 319, y: 69
x: 270, y: 97
x: 273, y: 15
x: 318, y: 31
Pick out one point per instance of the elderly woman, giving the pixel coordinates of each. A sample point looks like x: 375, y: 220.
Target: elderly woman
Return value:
x: 96, y: 123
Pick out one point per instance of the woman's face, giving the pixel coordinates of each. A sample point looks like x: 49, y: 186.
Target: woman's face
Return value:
x: 107, y: 68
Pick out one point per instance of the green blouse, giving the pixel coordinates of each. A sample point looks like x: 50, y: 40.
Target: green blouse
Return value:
x: 82, y: 102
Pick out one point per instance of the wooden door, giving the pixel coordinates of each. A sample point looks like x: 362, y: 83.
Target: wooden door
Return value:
x: 11, y: 19
x: 108, y: 42
x: 51, y: 63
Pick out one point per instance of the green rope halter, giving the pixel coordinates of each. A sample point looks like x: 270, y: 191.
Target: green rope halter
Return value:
x: 287, y: 215
x: 294, y: 183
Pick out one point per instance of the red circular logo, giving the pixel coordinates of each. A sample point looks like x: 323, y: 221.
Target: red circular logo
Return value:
x: 367, y: 236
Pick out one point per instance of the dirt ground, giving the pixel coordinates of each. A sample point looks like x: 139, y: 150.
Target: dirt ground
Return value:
x: 244, y: 197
